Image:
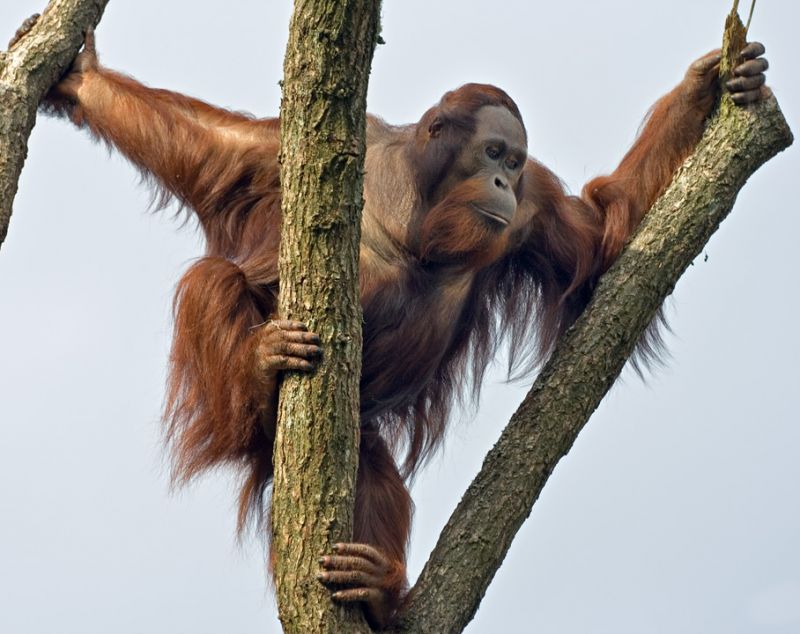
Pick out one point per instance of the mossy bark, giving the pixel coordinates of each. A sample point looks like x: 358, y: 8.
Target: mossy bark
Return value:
x: 587, y: 361
x: 27, y: 72
x: 323, y: 121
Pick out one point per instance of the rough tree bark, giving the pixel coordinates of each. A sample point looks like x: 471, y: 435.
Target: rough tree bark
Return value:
x: 323, y: 123
x: 27, y: 72
x: 589, y: 358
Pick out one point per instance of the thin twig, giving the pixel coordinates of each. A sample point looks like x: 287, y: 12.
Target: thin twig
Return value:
x: 750, y: 17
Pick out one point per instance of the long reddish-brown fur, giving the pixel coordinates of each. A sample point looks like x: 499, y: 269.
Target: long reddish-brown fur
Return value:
x: 439, y: 290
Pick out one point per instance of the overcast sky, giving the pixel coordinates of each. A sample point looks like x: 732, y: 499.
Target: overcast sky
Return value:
x: 677, y: 509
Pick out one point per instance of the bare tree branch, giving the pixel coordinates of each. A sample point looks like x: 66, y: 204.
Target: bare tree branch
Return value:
x: 476, y: 539
x: 323, y: 132
x: 27, y: 71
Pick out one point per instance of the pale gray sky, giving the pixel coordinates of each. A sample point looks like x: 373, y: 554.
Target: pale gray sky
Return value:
x: 677, y: 509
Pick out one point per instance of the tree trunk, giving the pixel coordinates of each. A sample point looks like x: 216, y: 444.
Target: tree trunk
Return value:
x: 586, y: 362
x: 322, y: 161
x: 27, y: 71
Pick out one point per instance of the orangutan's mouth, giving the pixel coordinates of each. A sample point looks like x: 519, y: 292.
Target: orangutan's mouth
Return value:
x: 490, y: 214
